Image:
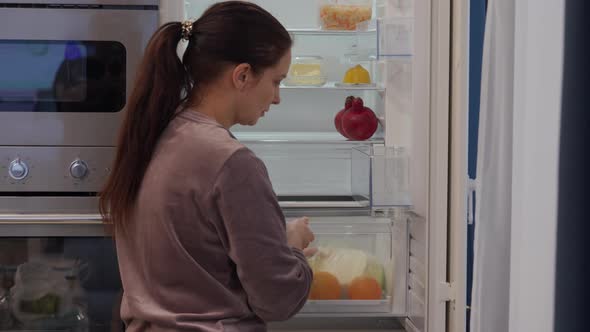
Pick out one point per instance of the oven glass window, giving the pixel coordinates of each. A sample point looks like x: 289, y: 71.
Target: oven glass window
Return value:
x: 62, y: 76
x: 59, y: 284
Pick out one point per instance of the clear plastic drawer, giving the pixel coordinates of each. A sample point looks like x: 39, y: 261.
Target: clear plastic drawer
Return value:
x: 360, y: 266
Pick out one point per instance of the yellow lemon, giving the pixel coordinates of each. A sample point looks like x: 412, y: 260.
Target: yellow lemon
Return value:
x: 357, y: 75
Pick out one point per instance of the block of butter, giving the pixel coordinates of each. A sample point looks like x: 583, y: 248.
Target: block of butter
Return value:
x: 306, y: 71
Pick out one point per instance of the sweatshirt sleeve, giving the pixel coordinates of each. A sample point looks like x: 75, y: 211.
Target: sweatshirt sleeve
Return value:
x: 276, y: 277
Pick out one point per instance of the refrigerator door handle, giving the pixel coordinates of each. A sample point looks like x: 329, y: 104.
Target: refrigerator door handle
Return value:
x: 471, y: 190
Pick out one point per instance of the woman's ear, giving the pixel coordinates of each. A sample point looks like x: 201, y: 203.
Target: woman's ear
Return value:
x: 242, y: 75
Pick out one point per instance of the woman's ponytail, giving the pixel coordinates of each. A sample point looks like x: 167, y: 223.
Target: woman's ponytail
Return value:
x: 160, y: 86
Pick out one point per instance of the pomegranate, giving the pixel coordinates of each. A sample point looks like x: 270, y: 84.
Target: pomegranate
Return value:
x: 359, y: 122
x: 338, y: 118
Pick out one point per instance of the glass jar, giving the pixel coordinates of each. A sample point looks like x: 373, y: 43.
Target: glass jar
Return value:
x: 76, y: 304
x: 344, y: 14
x: 306, y: 71
x: 6, y: 282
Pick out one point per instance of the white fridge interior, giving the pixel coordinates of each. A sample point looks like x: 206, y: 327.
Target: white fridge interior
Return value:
x: 370, y: 200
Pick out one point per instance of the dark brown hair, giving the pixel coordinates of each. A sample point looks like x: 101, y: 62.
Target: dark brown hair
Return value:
x: 231, y: 32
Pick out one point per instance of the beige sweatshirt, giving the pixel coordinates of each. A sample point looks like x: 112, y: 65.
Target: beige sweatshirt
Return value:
x: 207, y: 249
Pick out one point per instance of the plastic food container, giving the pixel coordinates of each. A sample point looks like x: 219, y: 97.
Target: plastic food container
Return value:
x: 344, y: 14
x: 306, y: 71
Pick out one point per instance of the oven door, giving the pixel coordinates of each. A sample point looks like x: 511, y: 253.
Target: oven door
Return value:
x: 58, y: 274
x: 66, y: 71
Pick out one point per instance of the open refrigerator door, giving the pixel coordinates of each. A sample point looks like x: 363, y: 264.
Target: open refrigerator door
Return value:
x: 377, y: 204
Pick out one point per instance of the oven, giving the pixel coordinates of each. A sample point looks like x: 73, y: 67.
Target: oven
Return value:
x: 67, y: 68
x: 66, y: 71
x: 58, y: 275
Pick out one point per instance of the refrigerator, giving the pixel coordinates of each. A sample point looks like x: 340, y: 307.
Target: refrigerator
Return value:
x: 390, y: 208
x: 388, y: 212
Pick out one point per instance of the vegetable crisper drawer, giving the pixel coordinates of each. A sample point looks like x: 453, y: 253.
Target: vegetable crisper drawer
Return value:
x: 360, y: 266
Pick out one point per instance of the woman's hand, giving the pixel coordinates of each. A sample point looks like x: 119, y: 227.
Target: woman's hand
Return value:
x: 299, y: 235
x: 310, y: 251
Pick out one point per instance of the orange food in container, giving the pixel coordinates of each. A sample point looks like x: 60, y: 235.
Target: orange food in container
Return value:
x: 344, y: 14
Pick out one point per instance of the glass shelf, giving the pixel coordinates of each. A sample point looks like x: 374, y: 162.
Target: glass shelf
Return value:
x: 328, y: 33
x: 335, y: 86
x: 336, y: 173
x: 380, y: 38
x: 301, y: 138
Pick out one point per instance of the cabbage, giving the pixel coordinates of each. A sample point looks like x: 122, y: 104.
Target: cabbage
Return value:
x: 375, y: 269
x: 347, y: 264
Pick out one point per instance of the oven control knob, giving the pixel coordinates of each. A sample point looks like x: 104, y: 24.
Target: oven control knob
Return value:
x: 18, y: 169
x: 78, y: 169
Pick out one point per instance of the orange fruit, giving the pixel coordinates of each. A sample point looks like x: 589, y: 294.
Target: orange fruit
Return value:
x: 325, y: 286
x: 364, y: 288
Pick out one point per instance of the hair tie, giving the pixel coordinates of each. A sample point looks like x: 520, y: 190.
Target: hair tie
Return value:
x: 187, y: 29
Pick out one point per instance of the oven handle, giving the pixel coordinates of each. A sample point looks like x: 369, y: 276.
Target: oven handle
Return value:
x: 53, y: 225
x: 60, y: 219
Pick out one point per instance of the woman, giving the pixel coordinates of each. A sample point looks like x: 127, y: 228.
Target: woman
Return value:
x: 201, y: 240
